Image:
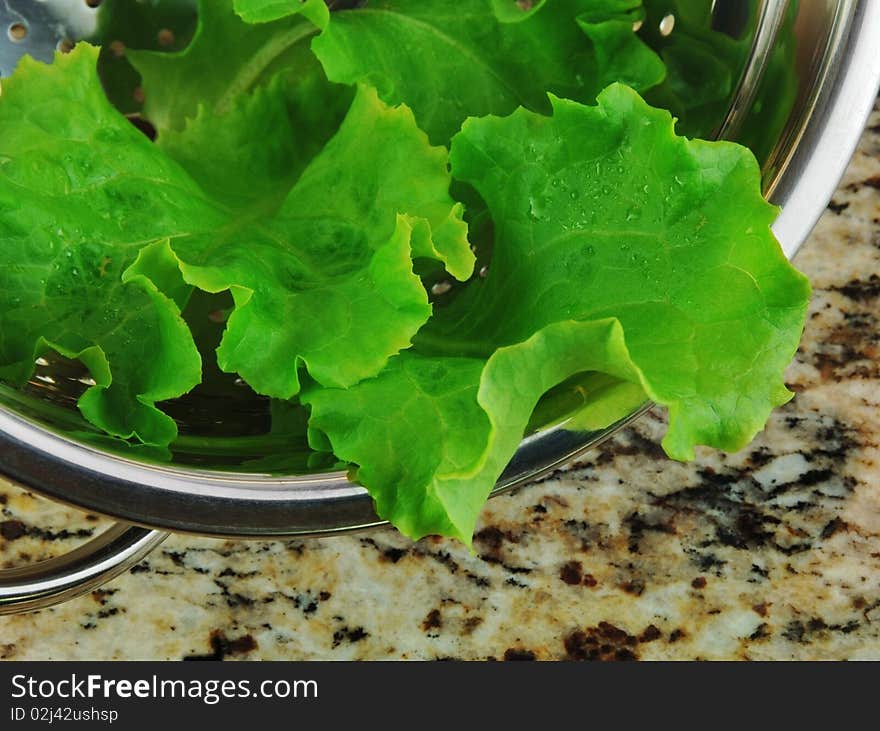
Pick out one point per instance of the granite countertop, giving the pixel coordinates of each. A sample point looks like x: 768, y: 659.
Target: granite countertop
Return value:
x: 770, y: 553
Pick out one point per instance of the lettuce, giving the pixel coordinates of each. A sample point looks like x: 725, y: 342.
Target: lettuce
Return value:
x: 310, y: 166
x: 627, y: 285
x: 99, y: 224
x: 485, y: 56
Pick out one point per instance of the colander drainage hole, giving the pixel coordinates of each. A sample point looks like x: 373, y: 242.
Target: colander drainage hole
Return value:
x: 17, y: 32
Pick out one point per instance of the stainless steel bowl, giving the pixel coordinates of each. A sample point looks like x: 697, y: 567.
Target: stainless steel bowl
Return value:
x: 804, y: 135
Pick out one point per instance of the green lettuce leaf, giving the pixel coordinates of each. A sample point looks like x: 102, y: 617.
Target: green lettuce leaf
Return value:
x: 251, y: 157
x: 157, y: 25
x: 615, y: 240
x: 514, y: 11
x: 76, y: 201
x: 104, y: 235
x: 328, y: 280
x: 264, y: 11
x: 431, y: 435
x: 227, y: 59
x: 479, y: 58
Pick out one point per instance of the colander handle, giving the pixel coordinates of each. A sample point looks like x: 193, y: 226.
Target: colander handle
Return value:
x: 85, y: 568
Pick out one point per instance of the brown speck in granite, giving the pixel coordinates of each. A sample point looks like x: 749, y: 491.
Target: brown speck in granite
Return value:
x: 470, y: 624
x: 433, y: 621
x: 762, y: 632
x: 676, y: 635
x: 838, y: 208
x: 699, y: 582
x: 603, y: 642
x: 650, y: 633
x: 7, y: 652
x: 589, y: 580
x: 571, y: 573
x: 636, y: 587
x: 12, y: 530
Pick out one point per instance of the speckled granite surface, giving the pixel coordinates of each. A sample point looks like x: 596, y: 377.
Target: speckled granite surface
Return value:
x: 771, y: 553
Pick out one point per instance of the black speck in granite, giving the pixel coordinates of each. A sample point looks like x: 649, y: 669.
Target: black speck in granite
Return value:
x: 233, y: 599
x: 706, y: 561
x: 102, y: 596
x: 222, y: 647
x: 12, y: 530
x: 860, y: 290
x: 178, y: 558
x: 832, y: 527
x: 639, y: 525
x: 350, y: 635
x: 513, y: 654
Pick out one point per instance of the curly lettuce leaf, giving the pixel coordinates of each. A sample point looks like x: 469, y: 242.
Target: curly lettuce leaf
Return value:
x: 614, y: 242
x: 104, y: 235
x: 477, y: 58
x: 328, y: 280
x: 76, y: 200
x: 431, y: 435
x: 227, y: 59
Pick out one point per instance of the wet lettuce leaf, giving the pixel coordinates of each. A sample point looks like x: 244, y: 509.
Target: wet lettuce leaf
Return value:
x: 477, y: 57
x: 614, y: 242
x: 70, y: 165
x: 105, y: 235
